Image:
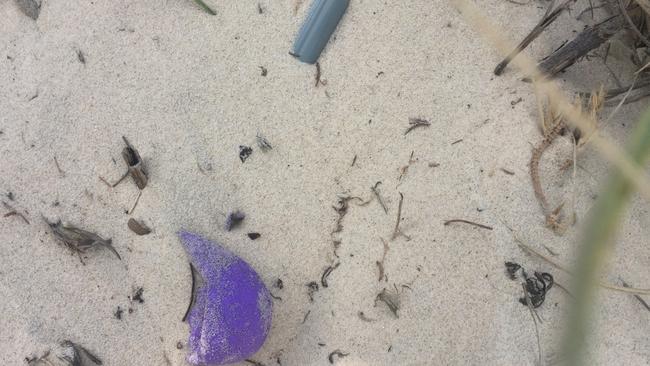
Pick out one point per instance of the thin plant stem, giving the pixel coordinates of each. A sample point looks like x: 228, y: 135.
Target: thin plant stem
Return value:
x: 598, y: 243
x: 205, y: 7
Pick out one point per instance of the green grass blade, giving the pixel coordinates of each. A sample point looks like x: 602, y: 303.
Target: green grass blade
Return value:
x: 205, y: 7
x: 598, y: 241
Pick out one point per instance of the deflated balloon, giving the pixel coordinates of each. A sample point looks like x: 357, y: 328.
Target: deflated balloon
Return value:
x: 232, y: 310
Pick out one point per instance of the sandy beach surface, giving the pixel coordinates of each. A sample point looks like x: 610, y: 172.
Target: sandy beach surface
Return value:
x: 187, y: 89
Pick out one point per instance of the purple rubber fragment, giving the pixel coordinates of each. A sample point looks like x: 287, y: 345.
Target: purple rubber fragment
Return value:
x: 231, y: 315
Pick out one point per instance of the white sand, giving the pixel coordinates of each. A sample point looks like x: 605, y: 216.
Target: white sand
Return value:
x: 186, y: 89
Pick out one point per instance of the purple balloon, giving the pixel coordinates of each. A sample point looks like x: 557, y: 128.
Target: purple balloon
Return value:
x: 231, y: 315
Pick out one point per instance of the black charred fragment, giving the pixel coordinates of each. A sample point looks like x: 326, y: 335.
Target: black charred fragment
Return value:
x: 137, y: 295
x: 312, y: 287
x: 511, y: 269
x: 537, y: 287
x: 81, y: 57
x: 253, y: 236
x: 244, y: 152
x: 279, y: 284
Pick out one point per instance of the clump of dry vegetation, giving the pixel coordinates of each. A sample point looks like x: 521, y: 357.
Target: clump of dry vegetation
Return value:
x: 553, y: 126
x: 626, y: 22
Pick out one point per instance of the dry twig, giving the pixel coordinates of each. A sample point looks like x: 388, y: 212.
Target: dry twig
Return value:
x: 397, y: 232
x: 415, y: 123
x: 14, y: 212
x: 468, y: 222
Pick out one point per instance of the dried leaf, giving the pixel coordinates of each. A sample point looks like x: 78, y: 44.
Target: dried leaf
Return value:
x: 263, y: 143
x: 79, y: 240
x: 136, y: 168
x: 73, y: 354
x: 138, y: 227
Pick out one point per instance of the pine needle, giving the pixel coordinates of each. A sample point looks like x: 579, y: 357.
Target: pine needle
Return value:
x: 205, y: 7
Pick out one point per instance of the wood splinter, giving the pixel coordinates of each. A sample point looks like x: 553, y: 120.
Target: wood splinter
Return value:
x: 548, y: 18
x: 136, y: 167
x: 138, y: 227
x: 397, y: 232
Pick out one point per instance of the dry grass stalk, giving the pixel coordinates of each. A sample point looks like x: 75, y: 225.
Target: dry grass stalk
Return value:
x: 573, y: 116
